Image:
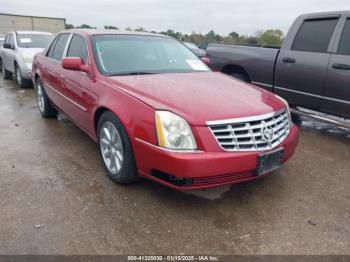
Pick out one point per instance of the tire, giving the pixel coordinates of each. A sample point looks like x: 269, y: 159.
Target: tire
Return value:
x: 21, y: 82
x: 44, y: 104
x: 5, y: 73
x: 115, y: 148
x: 241, y: 76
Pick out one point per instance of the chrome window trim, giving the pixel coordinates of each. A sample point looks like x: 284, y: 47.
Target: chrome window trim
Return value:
x: 70, y: 100
x: 261, y: 84
x: 313, y: 95
x: 64, y: 55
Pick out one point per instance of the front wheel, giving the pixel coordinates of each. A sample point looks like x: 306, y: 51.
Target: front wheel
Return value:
x: 21, y: 82
x: 44, y: 104
x: 116, y: 152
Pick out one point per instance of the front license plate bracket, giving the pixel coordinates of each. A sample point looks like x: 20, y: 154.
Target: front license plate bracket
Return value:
x: 269, y: 161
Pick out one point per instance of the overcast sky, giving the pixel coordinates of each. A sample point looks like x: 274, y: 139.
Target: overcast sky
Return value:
x: 223, y: 16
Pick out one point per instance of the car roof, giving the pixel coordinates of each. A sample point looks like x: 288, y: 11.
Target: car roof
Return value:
x: 32, y: 33
x: 110, y: 32
x: 324, y: 14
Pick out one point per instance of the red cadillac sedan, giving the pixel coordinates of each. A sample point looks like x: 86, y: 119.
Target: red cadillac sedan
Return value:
x: 158, y: 112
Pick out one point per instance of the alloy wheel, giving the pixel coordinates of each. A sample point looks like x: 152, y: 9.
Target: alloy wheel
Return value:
x: 18, y: 77
x: 111, y: 147
x: 40, y: 97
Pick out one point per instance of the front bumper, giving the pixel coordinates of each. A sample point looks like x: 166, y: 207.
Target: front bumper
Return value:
x: 194, y: 170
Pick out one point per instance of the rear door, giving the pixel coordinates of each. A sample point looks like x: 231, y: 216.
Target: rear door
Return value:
x: 78, y: 85
x: 337, y: 92
x: 301, y: 69
x: 52, y: 68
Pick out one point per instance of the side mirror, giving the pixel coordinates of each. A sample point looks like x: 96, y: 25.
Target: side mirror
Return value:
x: 205, y: 60
x: 7, y: 46
x: 74, y: 63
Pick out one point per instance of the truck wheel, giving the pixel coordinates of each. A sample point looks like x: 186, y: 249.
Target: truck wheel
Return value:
x: 21, y: 82
x: 116, y: 152
x: 5, y: 74
x: 240, y: 76
x: 44, y: 104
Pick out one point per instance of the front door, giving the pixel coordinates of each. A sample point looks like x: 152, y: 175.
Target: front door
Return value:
x: 78, y: 85
x: 301, y: 71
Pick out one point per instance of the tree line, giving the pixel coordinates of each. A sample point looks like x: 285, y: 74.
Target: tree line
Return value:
x: 269, y: 37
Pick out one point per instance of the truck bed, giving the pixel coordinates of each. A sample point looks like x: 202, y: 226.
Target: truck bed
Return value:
x: 259, y: 61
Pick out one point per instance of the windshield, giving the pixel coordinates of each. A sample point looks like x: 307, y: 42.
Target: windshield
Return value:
x: 139, y: 54
x: 191, y: 45
x: 33, y: 41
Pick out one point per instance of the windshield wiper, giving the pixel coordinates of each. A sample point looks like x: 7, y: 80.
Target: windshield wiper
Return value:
x: 134, y: 73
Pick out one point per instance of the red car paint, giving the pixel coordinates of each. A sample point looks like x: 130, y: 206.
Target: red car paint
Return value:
x: 197, y: 97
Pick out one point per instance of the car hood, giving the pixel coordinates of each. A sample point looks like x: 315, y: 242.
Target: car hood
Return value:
x: 199, y: 97
x: 31, y: 51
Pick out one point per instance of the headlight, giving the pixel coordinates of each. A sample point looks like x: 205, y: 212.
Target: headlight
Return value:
x: 173, y: 132
x: 28, y: 58
x: 287, y: 107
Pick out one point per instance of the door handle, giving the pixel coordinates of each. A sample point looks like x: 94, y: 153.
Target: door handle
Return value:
x: 341, y: 66
x: 288, y: 60
x: 62, y: 77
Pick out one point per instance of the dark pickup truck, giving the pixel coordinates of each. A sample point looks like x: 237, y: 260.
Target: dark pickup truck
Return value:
x: 311, y: 70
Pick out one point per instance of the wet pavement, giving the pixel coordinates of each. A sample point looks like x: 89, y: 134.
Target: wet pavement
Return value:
x: 56, y: 199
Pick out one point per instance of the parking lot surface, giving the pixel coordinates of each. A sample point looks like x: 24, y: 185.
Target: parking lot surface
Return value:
x: 56, y: 199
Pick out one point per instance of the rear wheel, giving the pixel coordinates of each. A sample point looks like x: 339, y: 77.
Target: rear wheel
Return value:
x: 5, y: 73
x: 116, y: 152
x: 21, y: 82
x: 44, y: 104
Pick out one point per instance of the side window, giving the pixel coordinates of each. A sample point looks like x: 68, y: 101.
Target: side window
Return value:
x: 52, y: 47
x: 344, y: 45
x: 59, y: 47
x: 314, y: 35
x: 78, y: 48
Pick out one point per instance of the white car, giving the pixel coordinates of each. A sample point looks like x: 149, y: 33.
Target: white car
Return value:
x: 18, y: 51
x: 1, y: 41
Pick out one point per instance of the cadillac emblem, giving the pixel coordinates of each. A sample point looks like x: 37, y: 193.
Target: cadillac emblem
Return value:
x: 267, y: 133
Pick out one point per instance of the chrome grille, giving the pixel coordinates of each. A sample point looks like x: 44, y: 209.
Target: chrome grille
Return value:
x: 252, y: 133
